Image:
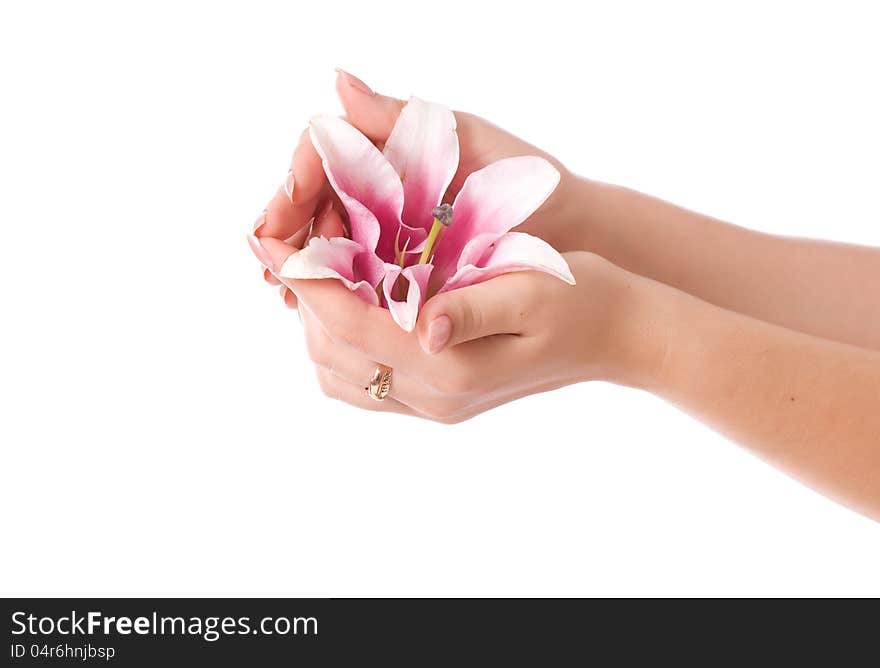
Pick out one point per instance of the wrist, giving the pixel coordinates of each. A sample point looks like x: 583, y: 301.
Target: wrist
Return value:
x: 562, y: 217
x: 640, y: 331
x: 580, y: 198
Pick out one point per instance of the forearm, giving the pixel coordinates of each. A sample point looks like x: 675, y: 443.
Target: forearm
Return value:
x: 827, y: 289
x: 807, y: 405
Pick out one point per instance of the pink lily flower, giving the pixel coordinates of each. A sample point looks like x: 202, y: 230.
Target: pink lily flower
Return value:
x: 405, y: 245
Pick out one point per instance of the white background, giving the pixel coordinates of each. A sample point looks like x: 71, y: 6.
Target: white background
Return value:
x: 162, y: 433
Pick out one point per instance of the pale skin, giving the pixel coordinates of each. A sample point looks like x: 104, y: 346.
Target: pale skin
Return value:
x: 773, y: 341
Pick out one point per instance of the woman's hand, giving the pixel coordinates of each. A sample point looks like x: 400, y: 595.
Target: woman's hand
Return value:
x: 476, y: 347
x: 806, y: 404
x: 306, y: 193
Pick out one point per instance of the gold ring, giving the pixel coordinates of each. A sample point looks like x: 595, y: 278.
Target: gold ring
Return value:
x: 380, y: 383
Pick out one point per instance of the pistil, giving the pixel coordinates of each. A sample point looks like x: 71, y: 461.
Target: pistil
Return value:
x: 442, y: 218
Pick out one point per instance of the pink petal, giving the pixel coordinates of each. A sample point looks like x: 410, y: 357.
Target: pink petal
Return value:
x: 514, y: 251
x: 475, y: 249
x: 339, y: 258
x: 416, y: 237
x: 494, y: 199
x: 366, y: 183
x: 368, y: 267
x: 406, y: 312
x: 423, y: 148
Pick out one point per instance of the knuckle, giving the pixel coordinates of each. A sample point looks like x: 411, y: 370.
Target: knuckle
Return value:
x: 328, y: 387
x: 346, y: 334
x: 471, y: 318
x: 317, y: 350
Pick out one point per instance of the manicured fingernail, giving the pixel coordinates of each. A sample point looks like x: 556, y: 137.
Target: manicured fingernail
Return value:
x: 258, y: 224
x: 439, y: 332
x: 352, y: 80
x: 288, y: 185
x: 261, y: 253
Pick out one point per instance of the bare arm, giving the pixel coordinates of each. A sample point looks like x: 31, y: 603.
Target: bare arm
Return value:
x: 807, y: 405
x: 823, y: 288
x: 773, y: 341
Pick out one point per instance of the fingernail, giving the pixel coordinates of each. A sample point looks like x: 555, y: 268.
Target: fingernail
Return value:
x: 261, y: 253
x: 352, y: 80
x: 439, y: 332
x: 288, y: 185
x: 258, y: 224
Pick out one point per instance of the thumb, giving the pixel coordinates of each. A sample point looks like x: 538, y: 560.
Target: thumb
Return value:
x: 497, y: 306
x: 371, y: 113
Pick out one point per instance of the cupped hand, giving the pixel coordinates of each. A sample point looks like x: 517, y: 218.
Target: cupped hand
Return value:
x: 305, y: 194
x: 477, y: 347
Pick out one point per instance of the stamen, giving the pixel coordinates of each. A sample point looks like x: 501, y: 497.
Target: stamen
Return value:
x: 400, y: 256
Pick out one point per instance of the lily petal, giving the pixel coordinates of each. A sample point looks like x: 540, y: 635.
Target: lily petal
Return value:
x: 368, y: 267
x: 338, y: 258
x: 406, y: 312
x: 423, y: 148
x: 494, y: 199
x: 474, y: 249
x: 366, y: 183
x: 514, y: 251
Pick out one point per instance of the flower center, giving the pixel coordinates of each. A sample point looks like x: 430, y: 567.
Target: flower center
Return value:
x: 442, y: 218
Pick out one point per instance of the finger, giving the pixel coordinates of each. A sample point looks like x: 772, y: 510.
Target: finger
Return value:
x: 296, y: 242
x: 371, y: 113
x: 347, y: 318
x: 478, y: 366
x: 328, y: 223
x: 487, y: 403
x: 295, y: 201
x: 497, y: 306
x: 287, y: 296
x: 270, y: 278
x: 293, y: 244
x: 336, y: 388
x: 357, y: 370
x: 354, y: 323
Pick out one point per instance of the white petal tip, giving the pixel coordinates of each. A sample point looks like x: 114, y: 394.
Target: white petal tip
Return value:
x: 288, y: 269
x: 406, y: 324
